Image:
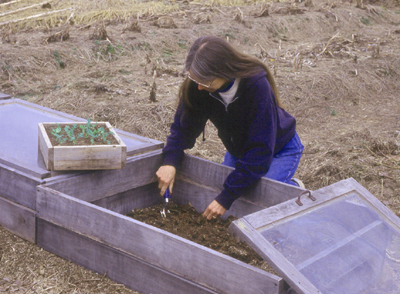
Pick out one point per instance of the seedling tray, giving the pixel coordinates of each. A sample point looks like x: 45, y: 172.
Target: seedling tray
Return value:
x: 86, y: 157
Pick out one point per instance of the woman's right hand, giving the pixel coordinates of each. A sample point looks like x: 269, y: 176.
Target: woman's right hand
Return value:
x: 166, y: 177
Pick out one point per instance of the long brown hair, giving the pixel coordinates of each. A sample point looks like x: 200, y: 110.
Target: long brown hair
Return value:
x: 212, y: 57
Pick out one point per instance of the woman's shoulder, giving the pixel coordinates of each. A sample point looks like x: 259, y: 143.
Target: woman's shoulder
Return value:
x: 258, y: 81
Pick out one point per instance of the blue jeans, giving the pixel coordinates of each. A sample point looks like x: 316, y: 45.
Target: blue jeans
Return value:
x: 284, y: 163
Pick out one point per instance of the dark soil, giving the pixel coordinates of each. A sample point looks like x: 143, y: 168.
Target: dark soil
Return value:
x: 186, y: 222
x: 84, y: 140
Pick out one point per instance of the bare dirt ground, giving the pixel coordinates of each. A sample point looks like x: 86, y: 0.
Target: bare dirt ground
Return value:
x: 337, y: 65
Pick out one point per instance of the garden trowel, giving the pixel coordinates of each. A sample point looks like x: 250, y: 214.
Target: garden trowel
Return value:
x: 164, y: 211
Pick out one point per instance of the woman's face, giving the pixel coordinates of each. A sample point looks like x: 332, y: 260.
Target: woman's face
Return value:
x: 209, y: 86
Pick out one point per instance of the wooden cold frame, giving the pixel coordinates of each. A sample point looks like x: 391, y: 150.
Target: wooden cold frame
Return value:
x: 88, y: 209
x: 22, y: 168
x: 4, y: 96
x: 249, y: 227
x: 27, y: 116
x: 18, y: 219
x: 18, y: 201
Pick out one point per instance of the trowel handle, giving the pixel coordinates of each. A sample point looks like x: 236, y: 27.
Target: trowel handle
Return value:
x: 167, y: 194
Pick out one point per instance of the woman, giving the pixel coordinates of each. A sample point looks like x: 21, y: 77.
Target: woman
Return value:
x: 238, y: 94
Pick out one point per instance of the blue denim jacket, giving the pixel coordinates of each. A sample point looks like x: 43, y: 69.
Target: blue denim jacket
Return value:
x: 251, y: 127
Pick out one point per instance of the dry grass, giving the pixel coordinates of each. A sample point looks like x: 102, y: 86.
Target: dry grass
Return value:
x: 87, y: 12
x: 332, y: 78
x: 25, y: 269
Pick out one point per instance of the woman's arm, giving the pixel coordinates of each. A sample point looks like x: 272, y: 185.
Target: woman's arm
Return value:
x: 188, y: 124
x: 258, y: 150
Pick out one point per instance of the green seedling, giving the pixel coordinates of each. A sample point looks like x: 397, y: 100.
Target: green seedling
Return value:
x: 91, y: 131
x: 57, y: 132
x: 88, y: 130
x: 70, y: 133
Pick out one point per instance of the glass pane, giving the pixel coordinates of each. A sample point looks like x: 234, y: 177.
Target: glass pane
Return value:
x: 19, y: 132
x: 342, y: 247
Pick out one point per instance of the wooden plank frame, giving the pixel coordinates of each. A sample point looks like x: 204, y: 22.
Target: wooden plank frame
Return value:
x: 18, y: 200
x: 18, y: 186
x: 121, y: 267
x: 90, y: 206
x: 4, y: 96
x: 246, y: 228
x: 19, y: 179
x: 154, y: 247
x: 18, y: 219
x: 197, y: 188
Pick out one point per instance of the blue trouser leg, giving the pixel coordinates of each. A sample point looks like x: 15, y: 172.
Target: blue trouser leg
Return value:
x: 284, y: 163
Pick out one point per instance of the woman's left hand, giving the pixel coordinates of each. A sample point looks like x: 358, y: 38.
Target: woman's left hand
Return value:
x: 213, y: 210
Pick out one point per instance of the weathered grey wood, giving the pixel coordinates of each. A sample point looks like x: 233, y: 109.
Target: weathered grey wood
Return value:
x: 90, y: 157
x: 18, y: 219
x: 146, y: 144
x: 35, y: 171
x: 45, y: 148
x: 384, y: 211
x: 184, y: 192
x: 18, y: 187
x: 91, y: 186
x: 200, y: 196
x: 274, y: 258
x: 125, y: 202
x: 119, y: 266
x: 266, y: 193
x: 160, y: 248
x: 248, y: 228
x: 19, y: 144
x: 140, y: 170
x: 4, y: 96
x: 290, y: 207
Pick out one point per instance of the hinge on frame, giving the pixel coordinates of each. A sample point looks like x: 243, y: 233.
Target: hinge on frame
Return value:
x: 302, y: 193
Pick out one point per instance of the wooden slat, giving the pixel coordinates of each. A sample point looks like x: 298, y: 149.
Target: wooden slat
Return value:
x: 18, y: 187
x: 266, y: 193
x: 119, y: 267
x: 160, y: 248
x: 184, y: 192
x: 290, y: 207
x: 35, y: 171
x: 146, y: 145
x: 200, y: 196
x: 381, y: 208
x: 45, y: 147
x: 91, y: 186
x: 18, y: 219
x: 4, y: 96
x: 140, y: 170
x: 125, y: 202
x: 98, y: 157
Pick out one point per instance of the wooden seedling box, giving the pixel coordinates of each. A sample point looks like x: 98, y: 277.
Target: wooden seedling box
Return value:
x: 82, y: 219
x: 88, y: 157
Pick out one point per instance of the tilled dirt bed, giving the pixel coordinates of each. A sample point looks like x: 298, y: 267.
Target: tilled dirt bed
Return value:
x: 184, y: 221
